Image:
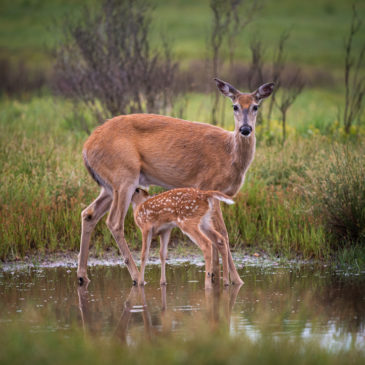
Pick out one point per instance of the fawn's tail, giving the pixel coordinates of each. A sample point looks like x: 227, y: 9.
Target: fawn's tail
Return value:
x: 222, y: 197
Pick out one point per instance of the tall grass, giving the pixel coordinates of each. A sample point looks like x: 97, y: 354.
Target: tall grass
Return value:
x: 340, y: 194
x: 275, y: 220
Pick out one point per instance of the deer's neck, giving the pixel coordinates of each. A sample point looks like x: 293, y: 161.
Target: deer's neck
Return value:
x: 243, y: 152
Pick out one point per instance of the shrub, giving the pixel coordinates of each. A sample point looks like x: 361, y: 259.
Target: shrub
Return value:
x: 339, y: 193
x: 107, y: 63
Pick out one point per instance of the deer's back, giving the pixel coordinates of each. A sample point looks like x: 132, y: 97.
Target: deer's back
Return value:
x: 165, y: 151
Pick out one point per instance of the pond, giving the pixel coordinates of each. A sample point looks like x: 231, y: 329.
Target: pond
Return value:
x: 279, y: 300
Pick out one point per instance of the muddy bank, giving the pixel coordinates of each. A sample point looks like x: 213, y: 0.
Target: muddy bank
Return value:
x: 112, y: 257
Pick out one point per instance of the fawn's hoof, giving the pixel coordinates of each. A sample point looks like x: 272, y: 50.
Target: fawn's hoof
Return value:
x: 83, y: 280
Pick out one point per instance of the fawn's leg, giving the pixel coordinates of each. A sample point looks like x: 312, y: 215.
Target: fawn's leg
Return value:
x: 89, y: 218
x: 164, y: 241
x: 198, y: 237
x: 216, y: 270
x: 146, y: 242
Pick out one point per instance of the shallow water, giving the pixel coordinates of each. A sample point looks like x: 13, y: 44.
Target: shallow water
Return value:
x: 314, y: 303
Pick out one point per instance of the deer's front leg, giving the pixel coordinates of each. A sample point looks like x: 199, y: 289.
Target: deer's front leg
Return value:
x: 89, y: 218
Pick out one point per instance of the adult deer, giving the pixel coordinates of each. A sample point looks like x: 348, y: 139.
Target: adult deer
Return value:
x: 147, y: 149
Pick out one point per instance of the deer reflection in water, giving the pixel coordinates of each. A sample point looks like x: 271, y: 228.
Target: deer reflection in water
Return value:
x: 216, y: 311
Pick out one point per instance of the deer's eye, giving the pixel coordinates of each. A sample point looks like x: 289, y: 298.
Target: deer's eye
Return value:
x: 255, y: 107
x: 235, y: 108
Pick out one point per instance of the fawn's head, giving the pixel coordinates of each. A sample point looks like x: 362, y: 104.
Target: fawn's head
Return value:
x: 245, y: 105
x: 139, y: 196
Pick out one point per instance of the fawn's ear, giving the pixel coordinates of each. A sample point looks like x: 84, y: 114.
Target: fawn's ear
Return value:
x: 263, y: 91
x: 227, y: 89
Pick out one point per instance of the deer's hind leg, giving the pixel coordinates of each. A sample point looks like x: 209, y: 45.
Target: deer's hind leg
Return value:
x: 121, y: 199
x: 89, y: 218
x: 220, y: 245
x: 219, y: 225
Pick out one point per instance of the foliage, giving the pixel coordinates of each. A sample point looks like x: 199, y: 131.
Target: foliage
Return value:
x: 340, y: 194
x: 106, y: 61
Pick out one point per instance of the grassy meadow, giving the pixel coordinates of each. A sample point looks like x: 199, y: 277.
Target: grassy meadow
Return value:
x: 45, y: 186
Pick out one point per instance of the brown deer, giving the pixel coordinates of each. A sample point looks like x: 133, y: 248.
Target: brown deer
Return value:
x: 147, y: 149
x: 191, y: 210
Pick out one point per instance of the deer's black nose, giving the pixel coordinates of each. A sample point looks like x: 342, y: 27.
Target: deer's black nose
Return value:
x: 246, y: 130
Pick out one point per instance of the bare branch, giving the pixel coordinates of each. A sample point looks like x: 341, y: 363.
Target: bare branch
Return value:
x: 288, y: 96
x: 354, y: 85
x: 243, y: 13
x: 106, y: 61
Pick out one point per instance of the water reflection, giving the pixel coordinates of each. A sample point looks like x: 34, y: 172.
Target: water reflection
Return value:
x: 306, y: 302
x: 218, y: 305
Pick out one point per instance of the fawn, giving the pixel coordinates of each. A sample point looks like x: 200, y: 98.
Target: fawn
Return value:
x: 191, y: 210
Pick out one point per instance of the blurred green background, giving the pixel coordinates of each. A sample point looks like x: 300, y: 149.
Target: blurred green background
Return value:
x: 30, y: 28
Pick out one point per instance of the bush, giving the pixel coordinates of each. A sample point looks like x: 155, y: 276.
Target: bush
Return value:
x: 107, y: 63
x: 340, y: 195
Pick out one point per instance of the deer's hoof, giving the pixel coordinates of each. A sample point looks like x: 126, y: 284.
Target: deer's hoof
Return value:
x: 238, y: 281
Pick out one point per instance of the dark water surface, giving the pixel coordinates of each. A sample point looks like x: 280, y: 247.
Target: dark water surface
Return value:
x: 302, y: 301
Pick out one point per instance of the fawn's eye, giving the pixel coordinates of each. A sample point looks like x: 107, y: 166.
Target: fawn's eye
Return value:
x: 235, y: 108
x: 137, y: 190
x: 255, y: 107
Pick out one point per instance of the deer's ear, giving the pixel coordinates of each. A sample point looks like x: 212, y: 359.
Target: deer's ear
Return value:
x: 227, y: 89
x: 264, y: 91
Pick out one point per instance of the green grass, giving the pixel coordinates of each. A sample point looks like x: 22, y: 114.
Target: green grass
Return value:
x: 44, y: 186
x: 28, y: 28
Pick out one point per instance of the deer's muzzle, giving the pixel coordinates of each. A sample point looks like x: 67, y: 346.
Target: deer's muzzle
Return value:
x: 246, y: 130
